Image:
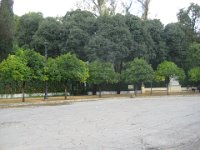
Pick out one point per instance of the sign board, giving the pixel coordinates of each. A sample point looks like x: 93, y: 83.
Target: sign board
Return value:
x: 130, y: 87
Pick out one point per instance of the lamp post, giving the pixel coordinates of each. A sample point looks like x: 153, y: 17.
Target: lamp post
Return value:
x: 46, y: 84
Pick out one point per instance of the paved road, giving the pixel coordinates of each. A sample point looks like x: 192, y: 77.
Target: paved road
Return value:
x: 157, y: 123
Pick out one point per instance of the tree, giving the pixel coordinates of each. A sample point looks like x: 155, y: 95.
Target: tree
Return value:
x: 51, y: 31
x: 194, y: 74
x: 193, y: 56
x: 167, y: 70
x: 190, y: 17
x: 53, y: 72
x: 27, y: 27
x: 156, y: 46
x: 15, y: 69
x: 6, y: 27
x: 99, y: 7
x: 35, y: 62
x: 83, y: 20
x: 112, y: 41
x: 79, y: 27
x: 142, y: 44
x: 71, y: 68
x: 138, y: 71
x: 127, y: 6
x: 145, y: 8
x: 113, y: 7
x: 76, y: 41
x: 177, y: 43
x: 100, y: 73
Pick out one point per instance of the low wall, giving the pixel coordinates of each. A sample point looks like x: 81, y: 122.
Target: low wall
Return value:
x: 29, y: 95
x: 162, y: 89
x: 158, y: 89
x: 114, y: 92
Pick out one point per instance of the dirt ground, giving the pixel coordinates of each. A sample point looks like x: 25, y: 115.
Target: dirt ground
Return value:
x: 142, y: 123
x: 85, y: 97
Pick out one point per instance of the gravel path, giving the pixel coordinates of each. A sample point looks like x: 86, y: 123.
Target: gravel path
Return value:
x: 156, y: 123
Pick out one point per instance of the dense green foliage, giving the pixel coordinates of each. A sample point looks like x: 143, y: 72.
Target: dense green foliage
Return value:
x: 7, y: 28
x: 27, y: 26
x: 71, y: 69
x: 194, y: 74
x: 169, y: 70
x: 177, y: 43
x: 101, y: 73
x: 114, y: 39
x: 193, y: 55
x: 138, y: 71
x: 190, y: 17
x: 14, y: 68
x: 35, y: 62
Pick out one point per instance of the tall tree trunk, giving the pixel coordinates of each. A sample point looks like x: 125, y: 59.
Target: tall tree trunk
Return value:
x: 94, y: 89
x: 145, y: 8
x: 167, y: 89
x: 23, y: 91
x: 119, y: 87
x: 119, y: 70
x: 65, y: 86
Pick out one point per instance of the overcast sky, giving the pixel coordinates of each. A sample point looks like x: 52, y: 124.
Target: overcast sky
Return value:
x: 165, y: 10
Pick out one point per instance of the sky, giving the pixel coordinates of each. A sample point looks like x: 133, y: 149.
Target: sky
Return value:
x: 165, y: 10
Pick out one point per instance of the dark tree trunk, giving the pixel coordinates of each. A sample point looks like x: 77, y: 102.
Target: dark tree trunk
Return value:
x: 46, y: 91
x: 23, y: 91
x: 118, y: 69
x: 65, y: 86
x: 94, y: 89
x: 119, y: 88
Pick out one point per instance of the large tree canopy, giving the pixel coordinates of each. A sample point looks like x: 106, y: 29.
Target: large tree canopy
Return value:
x: 79, y: 26
x: 108, y: 37
x: 169, y: 70
x: 14, y: 68
x: 27, y: 27
x: 50, y: 31
x: 35, y: 62
x: 101, y: 73
x: 138, y: 71
x: 71, y: 69
x: 7, y: 27
x: 194, y: 74
x: 190, y: 17
x: 176, y: 42
x: 193, y: 56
